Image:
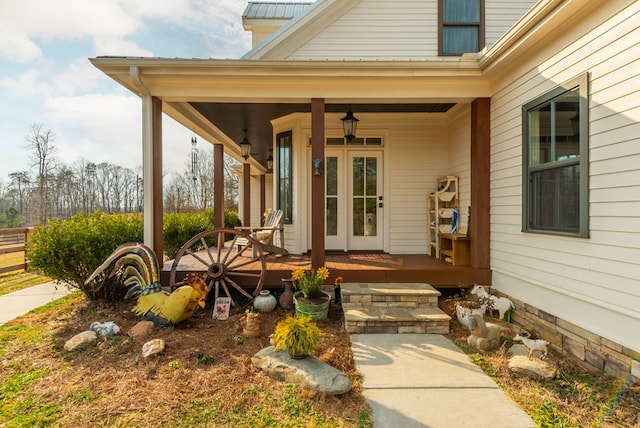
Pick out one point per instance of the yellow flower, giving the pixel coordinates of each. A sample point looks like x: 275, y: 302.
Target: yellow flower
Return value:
x: 297, y: 274
x: 323, y: 272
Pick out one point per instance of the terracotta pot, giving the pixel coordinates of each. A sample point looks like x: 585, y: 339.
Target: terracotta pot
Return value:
x: 286, y: 298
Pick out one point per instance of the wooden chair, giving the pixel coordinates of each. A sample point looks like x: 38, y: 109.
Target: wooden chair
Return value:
x: 265, y: 234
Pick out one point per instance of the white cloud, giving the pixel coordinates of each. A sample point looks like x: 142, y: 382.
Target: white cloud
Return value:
x: 25, y: 84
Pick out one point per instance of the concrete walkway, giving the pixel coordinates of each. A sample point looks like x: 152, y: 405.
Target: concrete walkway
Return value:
x: 22, y: 301
x: 424, y: 380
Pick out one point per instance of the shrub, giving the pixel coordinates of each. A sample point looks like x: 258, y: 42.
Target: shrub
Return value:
x: 70, y: 250
x: 299, y: 335
x: 180, y: 227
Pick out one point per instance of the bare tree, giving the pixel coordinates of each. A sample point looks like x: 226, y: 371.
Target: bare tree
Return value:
x: 40, y: 142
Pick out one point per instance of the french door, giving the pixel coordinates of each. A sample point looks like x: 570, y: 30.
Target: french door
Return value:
x: 353, y: 200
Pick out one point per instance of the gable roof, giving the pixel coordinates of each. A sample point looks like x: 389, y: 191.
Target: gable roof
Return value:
x: 301, y: 29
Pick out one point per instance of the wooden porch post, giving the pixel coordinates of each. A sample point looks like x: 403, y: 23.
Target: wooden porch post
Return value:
x: 480, y: 179
x: 317, y: 183
x: 218, y: 185
x: 246, y: 194
x: 263, y: 185
x: 158, y: 242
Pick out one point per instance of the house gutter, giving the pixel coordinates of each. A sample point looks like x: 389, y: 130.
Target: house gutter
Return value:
x: 147, y: 156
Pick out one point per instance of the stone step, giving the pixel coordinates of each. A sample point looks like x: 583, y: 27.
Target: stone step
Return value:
x: 396, y: 320
x: 392, y: 308
x: 412, y: 295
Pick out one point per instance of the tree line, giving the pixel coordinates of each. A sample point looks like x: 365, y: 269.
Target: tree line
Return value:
x: 52, y: 189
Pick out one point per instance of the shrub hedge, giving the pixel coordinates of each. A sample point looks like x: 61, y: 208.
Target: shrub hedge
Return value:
x: 70, y: 250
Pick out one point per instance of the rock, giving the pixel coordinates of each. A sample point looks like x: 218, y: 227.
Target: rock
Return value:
x: 141, y: 329
x: 79, y: 340
x: 518, y: 349
x: 484, y: 336
x: 534, y: 368
x: 309, y: 373
x: 152, y: 347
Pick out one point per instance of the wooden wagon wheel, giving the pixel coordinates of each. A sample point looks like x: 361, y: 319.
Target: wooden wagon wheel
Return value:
x: 224, y: 263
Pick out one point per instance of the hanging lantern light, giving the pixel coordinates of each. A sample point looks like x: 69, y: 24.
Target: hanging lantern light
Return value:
x: 349, y: 124
x: 245, y: 146
x: 194, y: 158
x: 270, y: 161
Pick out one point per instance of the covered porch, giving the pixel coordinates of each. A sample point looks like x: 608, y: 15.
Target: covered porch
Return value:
x: 358, y: 267
x: 429, y: 119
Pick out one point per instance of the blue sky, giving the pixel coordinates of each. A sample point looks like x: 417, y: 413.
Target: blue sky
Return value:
x: 46, y: 77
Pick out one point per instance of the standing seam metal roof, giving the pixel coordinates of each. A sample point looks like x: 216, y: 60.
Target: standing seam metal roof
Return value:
x: 277, y: 10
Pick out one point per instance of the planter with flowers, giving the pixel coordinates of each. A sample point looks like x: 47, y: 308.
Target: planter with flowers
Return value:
x: 310, y: 299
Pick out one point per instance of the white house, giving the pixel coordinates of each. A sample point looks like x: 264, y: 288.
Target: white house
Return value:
x: 534, y: 106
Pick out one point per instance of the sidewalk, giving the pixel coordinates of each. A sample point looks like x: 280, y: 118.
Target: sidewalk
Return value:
x: 20, y: 302
x: 424, y: 380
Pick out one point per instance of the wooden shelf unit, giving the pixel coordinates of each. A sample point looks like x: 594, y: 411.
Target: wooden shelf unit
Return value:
x: 455, y: 249
x: 440, y: 208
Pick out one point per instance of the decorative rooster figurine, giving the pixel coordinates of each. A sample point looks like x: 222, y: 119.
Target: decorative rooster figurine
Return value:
x: 140, y: 271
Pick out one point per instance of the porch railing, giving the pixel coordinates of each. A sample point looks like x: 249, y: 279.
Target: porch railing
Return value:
x: 14, y: 241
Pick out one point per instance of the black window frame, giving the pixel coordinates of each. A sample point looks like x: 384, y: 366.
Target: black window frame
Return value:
x: 284, y: 175
x: 442, y: 24
x: 533, y: 169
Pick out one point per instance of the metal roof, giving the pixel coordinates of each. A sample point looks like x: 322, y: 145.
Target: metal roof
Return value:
x: 275, y: 10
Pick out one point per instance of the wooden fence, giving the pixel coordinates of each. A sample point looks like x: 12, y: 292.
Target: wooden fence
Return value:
x: 14, y: 241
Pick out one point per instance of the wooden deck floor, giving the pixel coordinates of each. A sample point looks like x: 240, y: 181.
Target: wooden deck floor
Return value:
x: 400, y: 268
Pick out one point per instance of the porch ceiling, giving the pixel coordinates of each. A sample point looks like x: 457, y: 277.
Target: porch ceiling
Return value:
x: 233, y: 118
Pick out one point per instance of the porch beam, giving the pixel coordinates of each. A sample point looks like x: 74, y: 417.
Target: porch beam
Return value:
x: 480, y: 179
x: 218, y: 185
x: 317, y: 183
x: 246, y: 194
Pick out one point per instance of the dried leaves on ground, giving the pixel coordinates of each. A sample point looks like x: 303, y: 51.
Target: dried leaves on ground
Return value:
x: 204, y: 378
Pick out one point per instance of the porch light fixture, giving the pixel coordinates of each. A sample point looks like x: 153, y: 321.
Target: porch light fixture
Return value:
x: 194, y: 158
x: 270, y: 161
x: 245, y: 146
x: 349, y: 124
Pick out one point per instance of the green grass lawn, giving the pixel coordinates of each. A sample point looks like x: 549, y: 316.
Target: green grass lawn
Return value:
x: 14, y: 281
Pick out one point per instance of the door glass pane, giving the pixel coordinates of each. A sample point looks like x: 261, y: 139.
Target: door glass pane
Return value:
x: 332, y: 196
x: 372, y: 173
x: 358, y: 176
x: 358, y: 216
x: 365, y: 194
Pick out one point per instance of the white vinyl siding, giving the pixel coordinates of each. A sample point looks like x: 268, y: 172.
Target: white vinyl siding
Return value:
x: 406, y: 29
x: 593, y: 283
x: 500, y: 15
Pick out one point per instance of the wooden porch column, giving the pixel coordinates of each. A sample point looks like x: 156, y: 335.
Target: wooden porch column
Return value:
x: 158, y: 241
x: 218, y: 185
x: 246, y: 194
x: 317, y: 183
x: 480, y: 182
x: 152, y: 173
x: 263, y: 186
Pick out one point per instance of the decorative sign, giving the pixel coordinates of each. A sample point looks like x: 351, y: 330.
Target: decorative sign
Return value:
x: 221, y: 308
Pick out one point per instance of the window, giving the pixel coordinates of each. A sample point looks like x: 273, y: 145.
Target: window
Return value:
x: 285, y: 184
x: 555, y: 161
x: 461, y: 26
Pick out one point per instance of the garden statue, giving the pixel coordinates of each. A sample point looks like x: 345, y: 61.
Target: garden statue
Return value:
x: 501, y: 304
x: 484, y: 336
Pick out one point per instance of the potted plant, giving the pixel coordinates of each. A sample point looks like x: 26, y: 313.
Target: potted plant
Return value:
x: 299, y: 335
x: 310, y: 299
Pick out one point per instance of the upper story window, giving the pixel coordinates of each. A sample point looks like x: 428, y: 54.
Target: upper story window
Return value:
x: 555, y: 161
x: 461, y: 26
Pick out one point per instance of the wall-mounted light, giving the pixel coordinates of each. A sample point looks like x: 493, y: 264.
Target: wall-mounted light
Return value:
x: 349, y: 124
x: 317, y: 166
x: 270, y: 161
x: 245, y: 146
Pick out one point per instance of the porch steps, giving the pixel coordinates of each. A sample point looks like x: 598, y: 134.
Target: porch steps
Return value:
x: 392, y: 308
